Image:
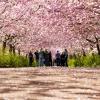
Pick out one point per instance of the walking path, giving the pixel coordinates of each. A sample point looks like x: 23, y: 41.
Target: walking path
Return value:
x: 49, y: 84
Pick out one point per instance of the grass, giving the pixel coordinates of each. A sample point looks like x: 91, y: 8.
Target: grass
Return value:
x: 85, y: 61
x: 11, y: 60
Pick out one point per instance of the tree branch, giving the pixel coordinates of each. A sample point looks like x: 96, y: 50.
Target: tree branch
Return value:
x: 90, y: 41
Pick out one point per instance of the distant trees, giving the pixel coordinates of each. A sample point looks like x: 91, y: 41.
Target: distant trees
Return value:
x: 87, y: 25
x: 95, y: 42
x: 10, y: 41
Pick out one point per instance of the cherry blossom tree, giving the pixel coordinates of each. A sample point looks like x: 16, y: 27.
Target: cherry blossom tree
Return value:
x: 72, y: 24
x: 88, y: 26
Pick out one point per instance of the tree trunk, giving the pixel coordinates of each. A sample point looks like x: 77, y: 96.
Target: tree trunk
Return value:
x: 4, y: 47
x: 13, y: 50
x: 19, y: 52
x: 83, y: 52
x: 97, y: 45
x: 98, y: 48
x: 10, y: 48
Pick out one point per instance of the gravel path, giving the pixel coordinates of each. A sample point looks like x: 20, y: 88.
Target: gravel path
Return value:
x: 49, y: 84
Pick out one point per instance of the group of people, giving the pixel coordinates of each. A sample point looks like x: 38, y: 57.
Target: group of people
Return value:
x: 44, y: 58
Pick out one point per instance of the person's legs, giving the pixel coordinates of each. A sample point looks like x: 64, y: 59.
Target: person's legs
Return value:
x: 40, y: 62
x: 46, y: 63
x: 37, y: 62
x: 66, y: 62
x: 63, y: 64
x: 50, y: 62
x: 30, y: 61
x: 59, y: 62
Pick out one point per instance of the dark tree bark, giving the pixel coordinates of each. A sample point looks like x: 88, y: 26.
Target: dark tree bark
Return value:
x: 83, y: 52
x: 13, y: 50
x: 19, y: 52
x: 4, y: 46
x: 10, y: 48
x: 98, y: 48
x: 97, y: 45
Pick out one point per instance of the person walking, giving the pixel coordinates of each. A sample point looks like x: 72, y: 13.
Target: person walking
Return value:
x: 46, y: 57
x: 30, y: 58
x: 63, y: 57
x: 66, y: 57
x: 50, y: 58
x: 37, y: 57
x: 58, y: 58
x: 41, y: 57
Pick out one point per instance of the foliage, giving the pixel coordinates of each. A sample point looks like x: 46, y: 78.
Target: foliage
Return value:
x: 85, y: 61
x: 13, y: 61
x: 10, y: 60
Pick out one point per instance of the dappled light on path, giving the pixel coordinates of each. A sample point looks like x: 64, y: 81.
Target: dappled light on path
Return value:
x: 49, y: 84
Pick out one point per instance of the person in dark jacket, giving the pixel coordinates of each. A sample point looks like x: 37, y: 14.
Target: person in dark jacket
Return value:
x: 30, y: 58
x: 41, y: 57
x: 37, y: 57
x: 66, y: 57
x: 50, y: 58
x: 46, y: 57
x: 63, y: 57
x: 58, y: 58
